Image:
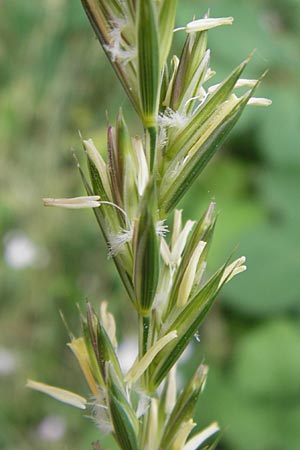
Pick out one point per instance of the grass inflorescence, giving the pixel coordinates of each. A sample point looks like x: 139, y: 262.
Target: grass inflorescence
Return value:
x: 185, y: 119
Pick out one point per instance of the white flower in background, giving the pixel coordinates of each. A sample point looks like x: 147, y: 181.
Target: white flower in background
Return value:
x: 20, y: 252
x: 52, y: 428
x: 187, y: 354
x: 127, y: 353
x: 8, y: 362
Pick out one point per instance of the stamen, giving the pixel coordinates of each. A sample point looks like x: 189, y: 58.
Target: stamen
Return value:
x: 118, y: 241
x: 172, y: 119
x: 115, y: 47
x: 257, y: 101
x: 161, y: 228
x: 89, y: 201
x: 206, y: 24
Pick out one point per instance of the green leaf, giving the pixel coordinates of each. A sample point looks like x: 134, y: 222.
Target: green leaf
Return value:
x: 197, y: 52
x: 181, y: 434
x: 213, y: 443
x: 202, y: 232
x: 115, y: 6
x: 148, y: 61
x: 185, y: 405
x: 179, y: 77
x: 190, y: 59
x: 124, y: 429
x: 146, y: 252
x: 117, y: 389
x: 193, y: 88
x: 101, y: 19
x: 96, y: 181
x: 191, y: 132
x: 200, y: 153
x: 167, y: 15
x: 102, y: 345
x: 206, y: 439
x: 92, y: 352
x: 124, y: 275
x: 124, y: 269
x: 186, y: 324
x: 98, y: 18
x: 125, y: 423
x: 126, y: 169
x: 123, y: 146
x: 114, y: 166
x: 101, y: 186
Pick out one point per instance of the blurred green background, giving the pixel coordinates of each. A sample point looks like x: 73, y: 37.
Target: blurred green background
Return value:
x: 54, y: 81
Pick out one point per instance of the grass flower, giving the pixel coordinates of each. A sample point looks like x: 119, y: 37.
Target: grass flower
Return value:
x: 132, y: 192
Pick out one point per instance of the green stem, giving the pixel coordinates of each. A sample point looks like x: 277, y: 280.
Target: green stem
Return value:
x: 152, y: 130
x: 144, y: 328
x: 144, y: 430
x: 143, y: 334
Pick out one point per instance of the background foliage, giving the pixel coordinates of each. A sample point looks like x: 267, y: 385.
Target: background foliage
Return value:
x: 54, y: 80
